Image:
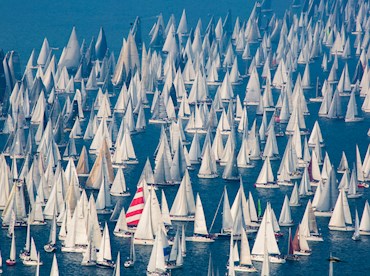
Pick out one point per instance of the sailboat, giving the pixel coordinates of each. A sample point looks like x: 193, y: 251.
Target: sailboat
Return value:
x: 34, y: 257
x: 356, y: 235
x: 50, y: 246
x: 12, y: 257
x: 341, y: 219
x: 285, y: 218
x: 104, y: 255
x: 131, y: 260
x: 121, y: 229
x: 118, y: 187
x: 54, y: 267
x: 308, y: 226
x: 291, y: 256
x: 117, y: 268
x: 200, y: 227
x: 157, y: 264
x: 365, y: 220
x: 183, y: 207
x: 300, y: 245
x: 266, y: 178
x: 176, y: 259
x: 25, y: 253
x: 89, y: 256
x: 245, y: 261
x: 265, y: 239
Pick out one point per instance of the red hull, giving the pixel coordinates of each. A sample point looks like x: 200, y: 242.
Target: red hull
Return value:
x: 10, y: 262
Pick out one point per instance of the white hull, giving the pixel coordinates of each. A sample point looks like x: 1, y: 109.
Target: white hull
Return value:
x: 242, y: 268
x: 344, y: 229
x: 286, y: 224
x: 273, y: 259
x: 105, y: 264
x: 120, y: 194
x: 245, y: 166
x: 88, y: 263
x: 197, y: 130
x: 315, y: 238
x: 32, y: 262
x: 157, y: 121
x: 143, y: 242
x: 365, y: 233
x: 77, y: 249
x: 131, y: 161
x: 266, y: 186
x: 123, y: 234
x: 179, y: 218
x: 354, y: 196
x: 285, y: 183
x: 354, y: 120
x: 213, y: 175
x: 173, y: 266
x: 302, y: 253
x: 199, y: 239
x: 323, y: 214
x: 104, y: 211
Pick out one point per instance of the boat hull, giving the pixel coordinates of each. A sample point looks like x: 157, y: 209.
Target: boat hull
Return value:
x: 273, y: 259
x: 343, y: 229
x: 49, y: 248
x: 88, y: 263
x: 105, y: 264
x: 213, y: 175
x: 315, y: 238
x: 123, y: 234
x: 32, y: 262
x: 181, y: 218
x: 242, y: 268
x: 10, y: 262
x: 143, y: 242
x: 199, y: 239
x: 302, y: 253
x: 266, y: 186
x: 323, y: 214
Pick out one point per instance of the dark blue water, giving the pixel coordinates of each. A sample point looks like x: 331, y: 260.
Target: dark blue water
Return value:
x: 23, y: 26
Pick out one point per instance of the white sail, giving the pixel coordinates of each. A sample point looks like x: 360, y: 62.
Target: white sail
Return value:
x: 200, y: 226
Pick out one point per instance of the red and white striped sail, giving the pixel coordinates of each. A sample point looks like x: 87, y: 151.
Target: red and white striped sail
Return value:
x: 136, y: 207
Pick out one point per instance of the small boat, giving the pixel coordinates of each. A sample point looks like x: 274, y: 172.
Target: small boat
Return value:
x: 89, y: 256
x: 121, y: 229
x: 131, y: 260
x: 245, y: 261
x: 12, y: 261
x: 266, y: 240
x: 291, y: 256
x: 300, y: 245
x: 34, y: 258
x: 365, y: 220
x: 266, y: 178
x: 176, y: 259
x: 200, y: 227
x: 341, y: 220
x: 356, y: 235
x: 25, y: 254
x: 50, y: 246
x: 104, y: 255
x: 117, y: 268
x: 334, y: 259
x: 157, y: 264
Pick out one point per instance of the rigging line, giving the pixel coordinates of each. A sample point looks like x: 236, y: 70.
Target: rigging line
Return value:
x: 218, y: 207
